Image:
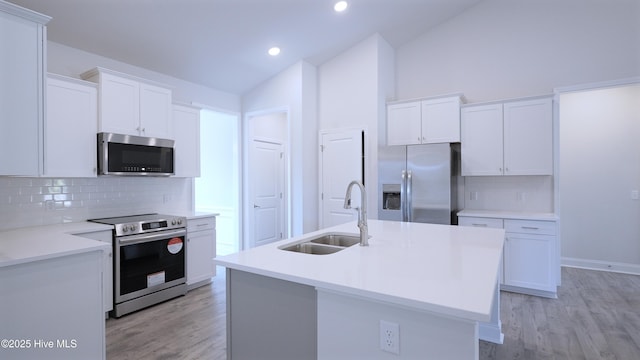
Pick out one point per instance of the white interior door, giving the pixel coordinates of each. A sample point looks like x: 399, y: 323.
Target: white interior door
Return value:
x: 266, y: 182
x: 341, y: 162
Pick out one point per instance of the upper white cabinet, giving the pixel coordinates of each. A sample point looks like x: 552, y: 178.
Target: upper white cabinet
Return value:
x: 72, y: 113
x: 186, y: 130
x: 22, y: 82
x: 528, y: 137
x: 131, y: 106
x: 424, y: 122
x: 481, y: 144
x: 514, y: 138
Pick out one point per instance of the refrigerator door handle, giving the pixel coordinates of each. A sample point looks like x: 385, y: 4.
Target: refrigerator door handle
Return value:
x: 409, y: 197
x: 403, y: 196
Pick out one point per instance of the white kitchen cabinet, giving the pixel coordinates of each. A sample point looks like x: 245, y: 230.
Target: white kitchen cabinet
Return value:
x: 513, y: 138
x: 404, y: 123
x: 201, y: 249
x: 131, y: 106
x: 55, y: 301
x: 530, y: 259
x: 186, y: 130
x: 490, y: 223
x: 481, y: 140
x: 72, y: 113
x: 528, y: 137
x: 424, y: 122
x: 22, y: 84
x: 107, y: 264
x: 529, y: 254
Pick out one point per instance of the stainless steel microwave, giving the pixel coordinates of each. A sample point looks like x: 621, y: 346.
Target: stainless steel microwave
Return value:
x: 120, y: 154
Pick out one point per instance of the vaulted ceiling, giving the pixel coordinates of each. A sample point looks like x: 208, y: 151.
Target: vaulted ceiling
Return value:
x: 223, y: 44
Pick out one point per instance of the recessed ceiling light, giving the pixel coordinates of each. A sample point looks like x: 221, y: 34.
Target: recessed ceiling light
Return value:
x: 274, y: 51
x: 340, y: 6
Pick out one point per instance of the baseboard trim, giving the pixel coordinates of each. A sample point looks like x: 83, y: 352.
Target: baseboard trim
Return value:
x: 610, y: 266
x: 491, y: 332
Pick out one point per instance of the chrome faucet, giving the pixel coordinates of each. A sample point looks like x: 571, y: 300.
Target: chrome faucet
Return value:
x: 362, y: 211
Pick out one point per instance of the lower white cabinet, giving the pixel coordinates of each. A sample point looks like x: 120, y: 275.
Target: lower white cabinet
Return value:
x: 530, y: 258
x: 201, y: 249
x: 107, y: 263
x: 486, y: 223
x: 528, y: 254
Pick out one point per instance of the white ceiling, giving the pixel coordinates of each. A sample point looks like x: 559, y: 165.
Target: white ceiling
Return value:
x: 223, y: 44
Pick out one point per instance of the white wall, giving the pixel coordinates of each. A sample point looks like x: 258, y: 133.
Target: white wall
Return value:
x: 352, y: 89
x: 295, y: 89
x: 599, y: 169
x: 272, y: 126
x: 502, y: 49
x: 72, y: 62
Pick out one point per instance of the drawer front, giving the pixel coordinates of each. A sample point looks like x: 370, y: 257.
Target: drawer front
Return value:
x: 530, y: 227
x: 480, y: 222
x: 200, y: 224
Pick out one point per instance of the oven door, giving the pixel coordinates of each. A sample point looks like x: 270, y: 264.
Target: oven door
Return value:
x: 148, y: 263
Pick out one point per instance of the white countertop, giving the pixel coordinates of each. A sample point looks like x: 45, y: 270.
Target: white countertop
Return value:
x: 444, y: 269
x: 510, y: 215
x: 35, y: 243
x: 195, y: 214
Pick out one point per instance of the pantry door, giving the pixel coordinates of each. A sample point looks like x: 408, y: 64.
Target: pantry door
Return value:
x: 341, y: 161
x: 266, y: 192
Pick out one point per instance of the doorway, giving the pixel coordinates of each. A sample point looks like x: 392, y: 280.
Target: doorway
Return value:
x: 342, y: 160
x: 267, y: 178
x: 217, y: 190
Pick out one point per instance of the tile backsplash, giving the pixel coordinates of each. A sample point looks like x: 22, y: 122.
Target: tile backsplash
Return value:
x: 40, y: 201
x: 509, y: 193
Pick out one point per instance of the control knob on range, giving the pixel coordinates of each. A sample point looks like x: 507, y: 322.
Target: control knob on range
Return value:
x: 173, y: 221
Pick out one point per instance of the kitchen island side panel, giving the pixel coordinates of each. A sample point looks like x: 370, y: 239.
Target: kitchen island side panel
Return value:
x: 349, y: 328
x: 269, y: 318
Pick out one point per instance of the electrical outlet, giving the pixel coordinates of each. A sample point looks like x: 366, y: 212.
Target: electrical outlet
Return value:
x: 390, y: 337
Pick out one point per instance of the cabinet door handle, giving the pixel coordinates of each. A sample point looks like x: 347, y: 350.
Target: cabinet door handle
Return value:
x: 205, y: 224
x: 483, y: 225
x: 530, y: 228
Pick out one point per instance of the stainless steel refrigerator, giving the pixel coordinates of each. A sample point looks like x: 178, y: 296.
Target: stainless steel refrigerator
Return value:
x: 419, y: 183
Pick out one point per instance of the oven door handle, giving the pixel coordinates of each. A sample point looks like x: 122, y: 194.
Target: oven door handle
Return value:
x: 143, y: 238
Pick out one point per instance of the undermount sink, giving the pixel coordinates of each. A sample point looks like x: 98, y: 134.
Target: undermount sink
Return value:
x: 337, y: 240
x: 324, y: 244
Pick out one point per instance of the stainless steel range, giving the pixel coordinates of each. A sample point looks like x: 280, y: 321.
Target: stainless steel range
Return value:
x: 149, y: 260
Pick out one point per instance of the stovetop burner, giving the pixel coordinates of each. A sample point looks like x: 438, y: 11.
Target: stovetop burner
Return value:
x: 143, y: 223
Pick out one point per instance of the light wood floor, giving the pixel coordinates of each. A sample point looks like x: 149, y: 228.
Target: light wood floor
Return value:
x: 596, y: 316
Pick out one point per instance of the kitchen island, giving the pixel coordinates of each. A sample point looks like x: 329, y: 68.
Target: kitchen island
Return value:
x: 417, y: 291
